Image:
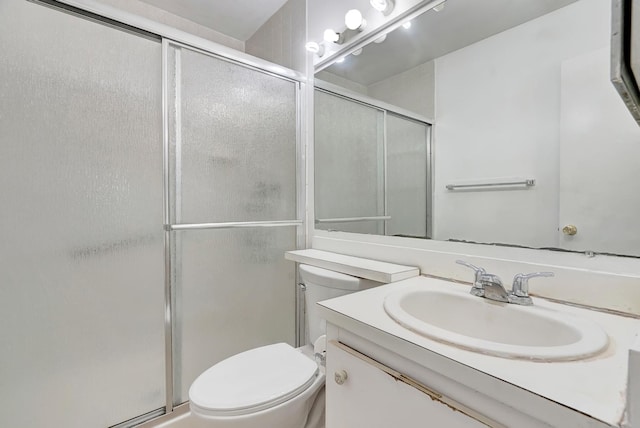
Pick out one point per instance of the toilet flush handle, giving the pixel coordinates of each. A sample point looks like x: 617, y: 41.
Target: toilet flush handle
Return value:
x: 321, y: 358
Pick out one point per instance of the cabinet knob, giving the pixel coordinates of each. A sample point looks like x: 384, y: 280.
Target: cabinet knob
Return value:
x: 340, y: 377
x: 570, y: 230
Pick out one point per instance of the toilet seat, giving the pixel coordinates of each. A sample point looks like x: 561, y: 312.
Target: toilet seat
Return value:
x: 254, y: 380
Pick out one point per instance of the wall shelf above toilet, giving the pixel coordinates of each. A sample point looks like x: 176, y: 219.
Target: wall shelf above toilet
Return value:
x: 355, y: 266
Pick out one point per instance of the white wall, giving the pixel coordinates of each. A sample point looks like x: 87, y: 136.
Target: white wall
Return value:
x: 498, y: 115
x: 281, y: 39
x: 413, y: 89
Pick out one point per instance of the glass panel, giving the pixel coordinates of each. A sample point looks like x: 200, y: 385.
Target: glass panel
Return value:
x: 82, y: 243
x: 406, y: 177
x: 235, y: 150
x: 349, y: 163
x: 234, y: 291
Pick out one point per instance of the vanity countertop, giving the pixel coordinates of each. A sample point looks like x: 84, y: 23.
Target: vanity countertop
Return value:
x: 594, y: 386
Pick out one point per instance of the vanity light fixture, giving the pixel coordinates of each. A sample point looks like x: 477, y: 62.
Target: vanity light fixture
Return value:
x: 315, y: 48
x: 354, y: 20
x: 331, y: 36
x: 384, y: 6
x: 439, y: 7
x: 380, y: 39
x: 406, y: 25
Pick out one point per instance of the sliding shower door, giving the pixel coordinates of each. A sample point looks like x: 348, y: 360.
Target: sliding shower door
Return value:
x: 349, y: 165
x: 372, y: 168
x: 81, y: 252
x: 232, y: 139
x: 408, y: 172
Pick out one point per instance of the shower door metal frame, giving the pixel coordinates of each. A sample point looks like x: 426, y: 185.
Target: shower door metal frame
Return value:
x: 170, y: 227
x: 171, y: 36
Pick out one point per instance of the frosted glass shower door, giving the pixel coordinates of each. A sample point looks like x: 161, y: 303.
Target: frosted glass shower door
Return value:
x: 81, y: 250
x: 234, y: 291
x: 407, y: 177
x: 349, y: 164
x: 233, y: 137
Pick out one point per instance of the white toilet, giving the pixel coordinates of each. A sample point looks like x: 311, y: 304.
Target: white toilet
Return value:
x: 276, y: 385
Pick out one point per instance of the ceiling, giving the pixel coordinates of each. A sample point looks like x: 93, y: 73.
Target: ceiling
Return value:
x: 239, y: 19
x: 434, y: 34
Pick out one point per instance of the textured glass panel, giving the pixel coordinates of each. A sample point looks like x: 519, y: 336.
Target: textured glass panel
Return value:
x: 348, y: 163
x: 81, y: 299
x: 234, y: 142
x: 234, y: 291
x: 406, y: 177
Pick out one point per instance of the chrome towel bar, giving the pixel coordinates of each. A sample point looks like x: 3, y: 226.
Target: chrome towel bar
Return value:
x: 353, y: 219
x: 527, y: 183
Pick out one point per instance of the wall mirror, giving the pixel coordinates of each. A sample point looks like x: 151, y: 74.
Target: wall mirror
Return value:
x: 489, y: 122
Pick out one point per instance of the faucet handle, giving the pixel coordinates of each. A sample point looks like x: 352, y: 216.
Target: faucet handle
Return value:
x: 478, y: 270
x: 520, y: 288
x: 477, y: 289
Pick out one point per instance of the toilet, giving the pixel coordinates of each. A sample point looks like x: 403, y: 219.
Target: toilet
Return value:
x: 275, y: 385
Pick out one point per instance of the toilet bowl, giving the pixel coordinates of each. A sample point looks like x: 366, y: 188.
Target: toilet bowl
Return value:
x: 274, y: 386
x: 270, y: 386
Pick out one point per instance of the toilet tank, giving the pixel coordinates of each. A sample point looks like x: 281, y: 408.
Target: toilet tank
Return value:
x: 322, y: 284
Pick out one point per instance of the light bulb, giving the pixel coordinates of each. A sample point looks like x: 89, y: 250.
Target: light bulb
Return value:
x: 384, y: 6
x: 380, y: 39
x: 315, y: 48
x: 357, y: 52
x: 331, y: 36
x: 340, y: 60
x: 354, y: 20
x: 379, y: 4
x: 312, y: 47
x: 406, y: 25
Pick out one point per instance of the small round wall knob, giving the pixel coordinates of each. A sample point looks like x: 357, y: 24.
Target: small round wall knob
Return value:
x: 340, y: 377
x: 570, y: 230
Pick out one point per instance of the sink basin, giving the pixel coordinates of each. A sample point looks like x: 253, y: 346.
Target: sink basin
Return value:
x: 505, y: 330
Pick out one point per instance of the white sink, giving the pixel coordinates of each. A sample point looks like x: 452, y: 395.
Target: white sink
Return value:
x: 506, y: 330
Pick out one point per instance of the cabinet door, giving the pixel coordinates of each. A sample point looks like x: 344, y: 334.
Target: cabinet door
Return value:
x: 373, y: 395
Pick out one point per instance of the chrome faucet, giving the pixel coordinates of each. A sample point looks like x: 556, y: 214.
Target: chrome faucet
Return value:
x: 490, y: 286
x: 486, y: 284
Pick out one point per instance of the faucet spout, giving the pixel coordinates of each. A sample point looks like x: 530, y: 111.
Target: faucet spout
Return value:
x: 493, y: 288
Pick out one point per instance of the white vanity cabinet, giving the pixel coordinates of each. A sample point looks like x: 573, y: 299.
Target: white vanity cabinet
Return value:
x: 362, y: 392
x: 396, y: 377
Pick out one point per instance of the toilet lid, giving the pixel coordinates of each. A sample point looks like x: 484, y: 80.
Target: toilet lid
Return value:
x: 253, y: 380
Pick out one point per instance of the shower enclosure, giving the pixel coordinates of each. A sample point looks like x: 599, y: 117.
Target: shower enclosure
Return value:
x: 372, y: 168
x: 149, y: 191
